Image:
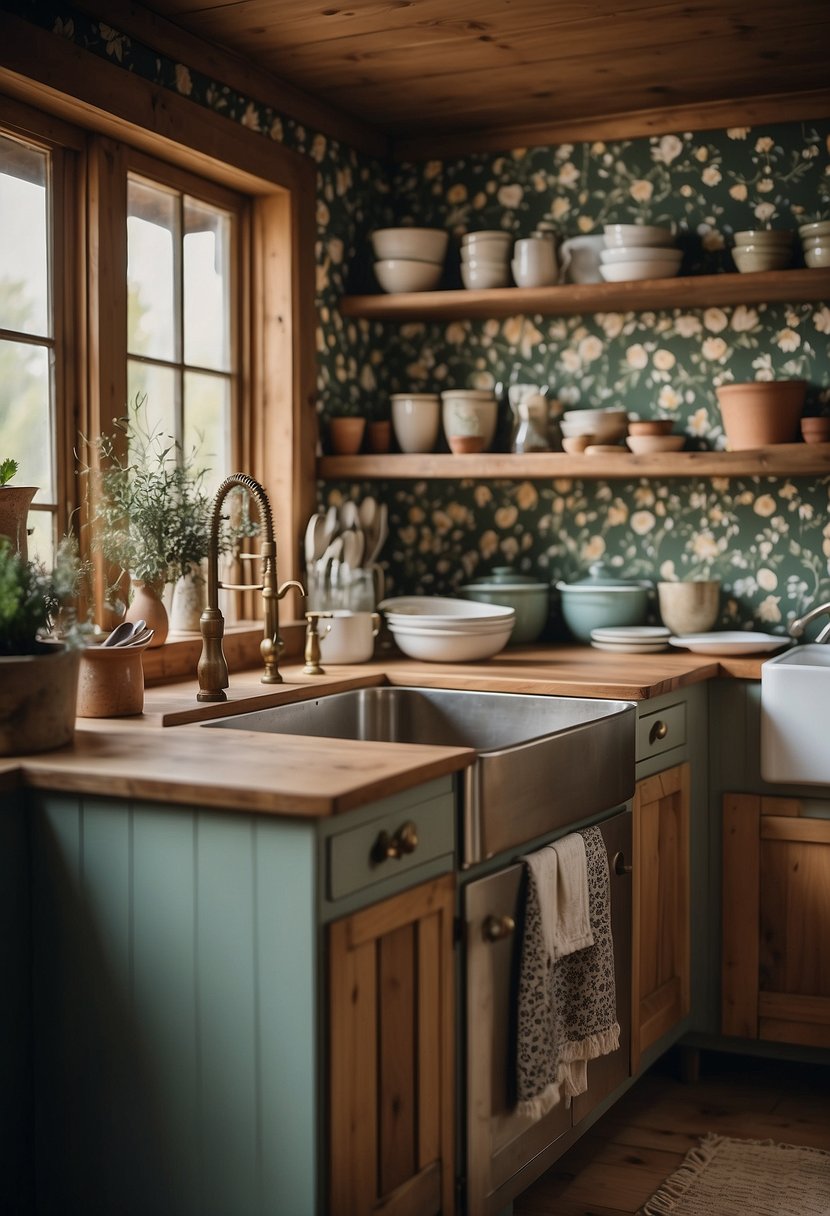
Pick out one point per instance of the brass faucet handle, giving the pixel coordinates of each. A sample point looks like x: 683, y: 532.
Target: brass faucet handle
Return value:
x: 284, y: 589
x: 312, y: 643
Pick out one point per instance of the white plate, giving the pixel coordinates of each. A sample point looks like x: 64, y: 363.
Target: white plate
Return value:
x: 631, y: 633
x: 631, y: 647
x: 730, y: 642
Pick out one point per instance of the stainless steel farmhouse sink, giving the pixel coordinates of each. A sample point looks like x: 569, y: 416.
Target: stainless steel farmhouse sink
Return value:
x: 543, y: 762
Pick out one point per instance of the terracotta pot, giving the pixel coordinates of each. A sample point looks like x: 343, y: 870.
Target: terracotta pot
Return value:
x: 147, y: 606
x: 346, y: 435
x: 110, y: 682
x: 816, y: 430
x: 761, y: 412
x: 14, y: 513
x: 380, y: 436
x: 465, y: 444
x: 37, y: 699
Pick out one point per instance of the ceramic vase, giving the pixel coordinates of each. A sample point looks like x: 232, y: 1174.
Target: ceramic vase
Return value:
x: 110, y: 682
x: 188, y: 601
x: 14, y: 513
x: 37, y: 699
x: 147, y: 605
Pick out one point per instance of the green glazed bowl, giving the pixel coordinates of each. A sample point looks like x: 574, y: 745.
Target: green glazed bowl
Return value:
x: 601, y: 600
x: 528, y: 598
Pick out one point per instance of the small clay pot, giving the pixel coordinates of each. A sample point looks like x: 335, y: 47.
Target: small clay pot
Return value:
x: 110, y: 682
x: 380, y: 436
x: 346, y: 435
x: 816, y: 430
x: 650, y: 426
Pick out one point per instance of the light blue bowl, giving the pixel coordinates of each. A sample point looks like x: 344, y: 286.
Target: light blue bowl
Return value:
x: 601, y: 601
x: 528, y: 598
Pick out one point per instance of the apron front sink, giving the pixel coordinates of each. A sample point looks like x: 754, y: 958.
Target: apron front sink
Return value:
x: 542, y: 764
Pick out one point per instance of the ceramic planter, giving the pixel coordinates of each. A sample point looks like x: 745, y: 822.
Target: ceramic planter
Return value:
x: 346, y: 435
x: 37, y: 699
x: 761, y: 412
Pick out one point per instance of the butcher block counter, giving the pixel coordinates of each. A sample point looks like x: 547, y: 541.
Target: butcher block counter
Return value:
x: 309, y: 778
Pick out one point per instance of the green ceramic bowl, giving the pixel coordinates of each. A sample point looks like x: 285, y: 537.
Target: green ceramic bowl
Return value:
x: 529, y: 599
x: 601, y: 600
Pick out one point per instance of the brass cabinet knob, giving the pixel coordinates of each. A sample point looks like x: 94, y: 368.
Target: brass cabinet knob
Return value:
x: 658, y: 731
x: 496, y: 928
x: 620, y: 864
x: 396, y: 846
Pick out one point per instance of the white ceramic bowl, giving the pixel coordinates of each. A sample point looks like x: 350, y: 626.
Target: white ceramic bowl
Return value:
x: 617, y: 235
x: 399, y: 274
x: 483, y: 275
x: 485, y: 256
x: 596, y: 414
x: 816, y: 228
x: 415, y: 421
x: 497, y: 235
x: 777, y: 237
x: 818, y: 255
x: 627, y: 271
x: 435, y: 609
x: 417, y: 244
x: 436, y: 646
x: 629, y: 253
x: 752, y: 258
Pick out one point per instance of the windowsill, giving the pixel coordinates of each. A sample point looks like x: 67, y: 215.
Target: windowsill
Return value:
x: 179, y: 656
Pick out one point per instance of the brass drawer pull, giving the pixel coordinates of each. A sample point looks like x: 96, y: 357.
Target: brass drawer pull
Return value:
x: 658, y: 731
x: 498, y: 927
x: 394, y: 847
x: 619, y: 863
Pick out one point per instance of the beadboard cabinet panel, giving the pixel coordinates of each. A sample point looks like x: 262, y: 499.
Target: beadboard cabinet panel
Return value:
x: 16, y: 1161
x: 163, y: 940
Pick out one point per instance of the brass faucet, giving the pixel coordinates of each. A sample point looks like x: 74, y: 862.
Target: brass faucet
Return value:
x: 213, y: 669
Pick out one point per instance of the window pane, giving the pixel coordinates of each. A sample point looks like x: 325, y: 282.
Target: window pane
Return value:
x: 42, y: 537
x: 157, y: 389
x: 207, y: 412
x: 206, y: 286
x: 25, y: 418
x: 24, y: 272
x: 152, y: 241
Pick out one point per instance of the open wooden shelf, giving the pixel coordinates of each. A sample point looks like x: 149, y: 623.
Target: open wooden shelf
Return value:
x: 786, y: 460
x: 693, y: 291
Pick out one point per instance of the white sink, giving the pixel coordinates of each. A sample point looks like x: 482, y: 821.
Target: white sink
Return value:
x: 795, y: 710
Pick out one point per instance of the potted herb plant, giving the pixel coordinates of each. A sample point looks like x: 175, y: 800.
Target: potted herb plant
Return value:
x: 38, y: 671
x: 149, y: 512
x: 14, y: 508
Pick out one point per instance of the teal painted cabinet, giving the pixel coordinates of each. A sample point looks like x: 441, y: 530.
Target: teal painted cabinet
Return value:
x: 179, y: 996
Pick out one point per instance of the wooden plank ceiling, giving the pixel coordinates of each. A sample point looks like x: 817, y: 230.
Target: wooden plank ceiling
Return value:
x: 421, y: 69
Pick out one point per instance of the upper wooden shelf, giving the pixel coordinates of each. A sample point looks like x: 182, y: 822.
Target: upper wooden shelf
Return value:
x: 786, y: 460
x: 693, y: 291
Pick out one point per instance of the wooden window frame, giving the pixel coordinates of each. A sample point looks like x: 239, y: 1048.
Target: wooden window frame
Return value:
x: 277, y: 443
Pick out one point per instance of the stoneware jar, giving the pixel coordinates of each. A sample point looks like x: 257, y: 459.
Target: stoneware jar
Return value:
x: 110, y: 682
x: 689, y: 606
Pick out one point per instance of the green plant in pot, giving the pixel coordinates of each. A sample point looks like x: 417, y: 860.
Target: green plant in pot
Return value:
x: 149, y: 511
x: 38, y: 670
x: 14, y: 507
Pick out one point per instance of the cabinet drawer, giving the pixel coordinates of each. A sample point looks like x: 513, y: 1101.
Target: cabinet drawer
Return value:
x: 661, y: 731
x: 390, y: 845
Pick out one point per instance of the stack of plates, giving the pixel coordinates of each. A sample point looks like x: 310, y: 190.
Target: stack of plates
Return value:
x: 443, y: 630
x: 631, y: 639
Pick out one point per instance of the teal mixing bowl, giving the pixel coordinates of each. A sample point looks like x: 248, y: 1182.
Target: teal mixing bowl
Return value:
x: 600, y: 600
x: 528, y: 598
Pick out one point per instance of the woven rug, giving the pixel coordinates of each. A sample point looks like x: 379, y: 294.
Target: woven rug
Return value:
x: 723, y: 1177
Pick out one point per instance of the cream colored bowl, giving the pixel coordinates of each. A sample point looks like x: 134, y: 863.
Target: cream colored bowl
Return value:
x: 630, y: 253
x: 753, y: 258
x: 399, y: 274
x: 628, y: 235
x: 624, y: 272
x: 644, y: 445
x: 415, y: 244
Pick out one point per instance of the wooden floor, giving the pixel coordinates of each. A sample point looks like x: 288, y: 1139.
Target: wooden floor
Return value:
x: 616, y: 1166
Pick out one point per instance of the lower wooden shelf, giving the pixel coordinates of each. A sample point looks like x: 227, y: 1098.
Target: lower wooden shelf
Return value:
x: 786, y: 460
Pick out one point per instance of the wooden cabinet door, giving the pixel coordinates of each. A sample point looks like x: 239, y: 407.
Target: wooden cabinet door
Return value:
x: 391, y: 1061
x: 660, y: 933
x: 776, y: 910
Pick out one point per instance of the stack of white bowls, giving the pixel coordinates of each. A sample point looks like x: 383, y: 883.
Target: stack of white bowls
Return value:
x: 585, y: 429
x: 762, y: 249
x: 409, y: 259
x: 470, y: 411
x: 443, y: 630
x: 485, y: 259
x: 815, y: 241
x: 638, y: 251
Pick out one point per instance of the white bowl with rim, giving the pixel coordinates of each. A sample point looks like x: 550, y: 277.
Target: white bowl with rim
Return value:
x: 435, y: 646
x: 436, y: 609
x: 630, y: 253
x: 402, y: 274
x: 627, y: 235
x: 480, y: 276
x: 415, y: 244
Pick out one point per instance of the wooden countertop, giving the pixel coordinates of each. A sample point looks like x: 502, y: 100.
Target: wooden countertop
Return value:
x: 305, y: 777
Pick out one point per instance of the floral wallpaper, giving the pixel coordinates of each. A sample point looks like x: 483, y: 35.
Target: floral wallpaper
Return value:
x: 767, y: 539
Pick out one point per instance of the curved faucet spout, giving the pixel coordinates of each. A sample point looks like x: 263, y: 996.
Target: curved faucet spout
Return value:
x: 797, y: 627
x: 213, y: 669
